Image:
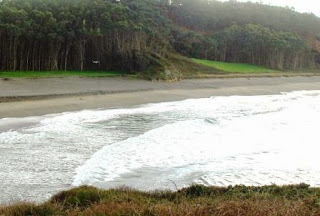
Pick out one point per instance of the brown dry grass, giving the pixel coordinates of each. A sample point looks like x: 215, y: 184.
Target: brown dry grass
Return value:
x: 297, y: 200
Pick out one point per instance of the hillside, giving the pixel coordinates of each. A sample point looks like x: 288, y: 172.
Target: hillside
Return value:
x: 150, y: 37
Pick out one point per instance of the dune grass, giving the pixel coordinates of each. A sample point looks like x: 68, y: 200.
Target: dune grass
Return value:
x: 234, y: 67
x: 195, y: 200
x: 35, y: 74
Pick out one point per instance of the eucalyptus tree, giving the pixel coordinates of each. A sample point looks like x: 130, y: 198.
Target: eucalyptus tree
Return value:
x: 132, y: 35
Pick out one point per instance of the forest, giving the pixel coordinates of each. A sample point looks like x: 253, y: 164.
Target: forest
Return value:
x: 136, y: 35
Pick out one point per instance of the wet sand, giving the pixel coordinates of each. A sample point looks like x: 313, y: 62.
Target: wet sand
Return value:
x: 34, y: 97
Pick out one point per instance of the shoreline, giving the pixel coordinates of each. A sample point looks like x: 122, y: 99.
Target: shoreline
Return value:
x: 28, y: 97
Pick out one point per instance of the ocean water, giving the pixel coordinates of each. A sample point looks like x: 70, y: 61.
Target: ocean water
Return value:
x: 250, y: 140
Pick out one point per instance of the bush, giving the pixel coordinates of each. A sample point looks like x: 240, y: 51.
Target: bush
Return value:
x: 79, y: 197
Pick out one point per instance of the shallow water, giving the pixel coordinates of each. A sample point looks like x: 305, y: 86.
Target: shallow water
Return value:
x: 251, y: 140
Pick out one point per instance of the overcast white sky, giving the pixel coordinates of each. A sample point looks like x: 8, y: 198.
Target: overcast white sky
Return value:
x: 299, y: 5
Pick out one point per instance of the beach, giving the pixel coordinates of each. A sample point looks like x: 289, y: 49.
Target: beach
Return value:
x: 57, y: 134
x: 34, y: 97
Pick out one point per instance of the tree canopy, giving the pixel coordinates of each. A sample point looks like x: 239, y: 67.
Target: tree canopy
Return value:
x: 132, y: 35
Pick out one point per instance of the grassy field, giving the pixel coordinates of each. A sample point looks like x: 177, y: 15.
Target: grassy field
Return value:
x: 234, y: 67
x: 35, y: 74
x: 295, y: 200
x: 180, y: 68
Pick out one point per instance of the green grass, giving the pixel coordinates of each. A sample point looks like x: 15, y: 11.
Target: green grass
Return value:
x: 292, y: 200
x: 38, y: 74
x: 234, y: 67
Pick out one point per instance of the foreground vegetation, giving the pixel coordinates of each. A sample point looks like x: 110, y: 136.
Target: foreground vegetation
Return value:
x: 295, y: 200
x: 143, y: 36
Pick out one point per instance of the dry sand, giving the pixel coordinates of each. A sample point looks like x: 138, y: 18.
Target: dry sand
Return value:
x: 34, y: 97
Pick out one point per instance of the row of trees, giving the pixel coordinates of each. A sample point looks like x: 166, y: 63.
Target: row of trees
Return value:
x: 130, y: 35
x: 246, y: 32
x: 262, y: 46
x: 77, y: 35
x: 253, y: 44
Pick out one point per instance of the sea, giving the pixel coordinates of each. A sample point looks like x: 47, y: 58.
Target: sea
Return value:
x: 220, y: 141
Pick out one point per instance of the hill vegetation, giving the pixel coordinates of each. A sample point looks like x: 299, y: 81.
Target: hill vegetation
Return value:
x: 295, y: 200
x: 46, y: 74
x: 234, y: 67
x: 146, y: 35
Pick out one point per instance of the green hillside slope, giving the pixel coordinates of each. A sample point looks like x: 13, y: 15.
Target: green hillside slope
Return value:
x: 234, y: 67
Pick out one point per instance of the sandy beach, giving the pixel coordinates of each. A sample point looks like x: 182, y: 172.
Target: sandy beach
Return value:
x: 34, y: 97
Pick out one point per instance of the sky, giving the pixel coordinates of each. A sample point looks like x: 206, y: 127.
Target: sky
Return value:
x: 312, y: 6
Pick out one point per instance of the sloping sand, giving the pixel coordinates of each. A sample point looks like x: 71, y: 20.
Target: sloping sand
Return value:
x: 34, y: 97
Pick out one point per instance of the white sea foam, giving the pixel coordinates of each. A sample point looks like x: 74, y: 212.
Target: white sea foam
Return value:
x: 230, y: 140
x: 251, y: 140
